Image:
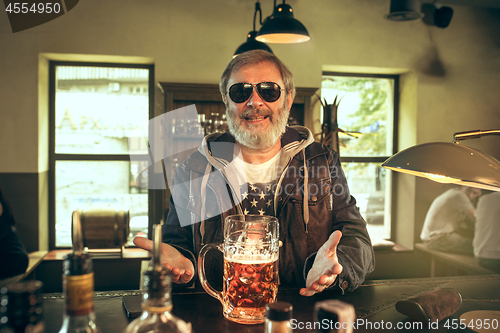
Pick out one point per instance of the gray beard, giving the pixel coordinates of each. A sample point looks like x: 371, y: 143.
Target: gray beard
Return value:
x: 243, y: 133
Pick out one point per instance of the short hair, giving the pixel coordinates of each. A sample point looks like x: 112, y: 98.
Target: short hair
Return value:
x: 255, y: 57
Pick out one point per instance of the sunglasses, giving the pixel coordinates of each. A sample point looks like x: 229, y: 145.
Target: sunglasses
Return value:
x: 268, y: 91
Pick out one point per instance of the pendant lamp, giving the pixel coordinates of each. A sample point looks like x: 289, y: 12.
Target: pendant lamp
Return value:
x: 446, y: 162
x: 282, y: 28
x: 251, y: 43
x: 404, y: 10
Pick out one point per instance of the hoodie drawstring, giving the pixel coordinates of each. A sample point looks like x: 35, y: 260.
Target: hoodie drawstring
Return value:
x: 306, y: 191
x: 204, y: 182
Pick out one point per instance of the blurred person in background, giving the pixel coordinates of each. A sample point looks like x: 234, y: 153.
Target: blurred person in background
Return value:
x: 443, y: 227
x: 13, y: 256
x: 486, y: 244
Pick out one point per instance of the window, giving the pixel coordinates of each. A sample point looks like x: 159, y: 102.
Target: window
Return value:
x: 94, y: 109
x: 366, y: 112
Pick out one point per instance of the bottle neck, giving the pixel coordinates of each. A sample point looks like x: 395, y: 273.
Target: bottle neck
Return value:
x: 157, y: 301
x: 73, y: 322
x: 157, y: 288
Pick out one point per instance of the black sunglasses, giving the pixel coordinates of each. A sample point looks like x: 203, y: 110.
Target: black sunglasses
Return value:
x: 268, y: 91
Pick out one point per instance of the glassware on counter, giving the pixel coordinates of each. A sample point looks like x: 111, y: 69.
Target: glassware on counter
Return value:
x: 157, y: 298
x: 179, y: 127
x: 78, y: 286
x: 21, y: 308
x: 250, y: 250
x: 203, y: 125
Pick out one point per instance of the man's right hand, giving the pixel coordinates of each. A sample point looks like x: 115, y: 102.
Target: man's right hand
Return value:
x: 181, y: 267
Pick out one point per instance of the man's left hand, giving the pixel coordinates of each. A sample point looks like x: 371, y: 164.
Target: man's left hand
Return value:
x: 326, y: 267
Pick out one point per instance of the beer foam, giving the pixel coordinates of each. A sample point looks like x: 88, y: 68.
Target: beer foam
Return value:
x: 248, y: 259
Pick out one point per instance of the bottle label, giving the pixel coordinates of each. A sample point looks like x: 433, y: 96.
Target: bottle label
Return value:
x: 79, y: 294
x: 156, y: 309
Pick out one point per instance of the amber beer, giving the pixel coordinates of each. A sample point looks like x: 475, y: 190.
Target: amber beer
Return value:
x: 249, y: 286
x: 250, y: 279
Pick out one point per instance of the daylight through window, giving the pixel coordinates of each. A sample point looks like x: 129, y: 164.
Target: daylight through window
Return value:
x: 94, y: 112
x: 366, y: 115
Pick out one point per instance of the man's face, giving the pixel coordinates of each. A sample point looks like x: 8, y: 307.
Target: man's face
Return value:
x: 256, y: 123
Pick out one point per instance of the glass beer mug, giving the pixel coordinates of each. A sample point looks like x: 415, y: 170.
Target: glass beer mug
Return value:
x: 251, y: 251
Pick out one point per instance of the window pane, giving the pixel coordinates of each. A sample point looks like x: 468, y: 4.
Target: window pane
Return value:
x: 366, y: 106
x: 369, y: 184
x: 97, y: 108
x: 98, y: 184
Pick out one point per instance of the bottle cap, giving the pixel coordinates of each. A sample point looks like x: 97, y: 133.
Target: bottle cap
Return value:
x: 326, y: 310
x: 77, y: 264
x: 279, y: 311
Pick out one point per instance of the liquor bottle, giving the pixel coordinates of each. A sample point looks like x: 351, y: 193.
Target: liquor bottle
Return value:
x: 157, y: 299
x: 278, y: 317
x: 334, y: 316
x: 78, y: 286
x: 21, y: 308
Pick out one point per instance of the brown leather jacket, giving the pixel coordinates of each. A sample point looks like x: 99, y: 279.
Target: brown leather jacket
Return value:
x: 203, y: 189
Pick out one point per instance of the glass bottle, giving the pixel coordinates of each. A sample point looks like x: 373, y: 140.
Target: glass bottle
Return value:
x: 78, y: 287
x: 21, y: 308
x: 334, y: 316
x: 157, y: 299
x: 278, y: 317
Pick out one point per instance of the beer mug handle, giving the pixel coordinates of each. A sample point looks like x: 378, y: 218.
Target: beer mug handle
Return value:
x: 201, y: 272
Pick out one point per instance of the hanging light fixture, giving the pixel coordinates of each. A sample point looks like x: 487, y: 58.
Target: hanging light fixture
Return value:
x: 251, y: 43
x: 404, y: 10
x: 450, y: 163
x: 282, y: 28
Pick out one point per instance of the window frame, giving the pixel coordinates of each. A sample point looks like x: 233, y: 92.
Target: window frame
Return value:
x: 395, y: 133
x: 54, y: 157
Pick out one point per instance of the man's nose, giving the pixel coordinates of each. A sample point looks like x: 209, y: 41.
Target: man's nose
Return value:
x: 255, y: 99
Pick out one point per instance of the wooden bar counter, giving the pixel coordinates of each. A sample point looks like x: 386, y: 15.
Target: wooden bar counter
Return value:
x: 374, y: 302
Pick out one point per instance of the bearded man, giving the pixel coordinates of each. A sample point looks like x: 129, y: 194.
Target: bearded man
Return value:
x: 262, y: 166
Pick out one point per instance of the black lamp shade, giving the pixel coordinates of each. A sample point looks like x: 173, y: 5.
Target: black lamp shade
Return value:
x: 252, y: 44
x: 404, y: 10
x: 442, y: 17
x: 282, y: 28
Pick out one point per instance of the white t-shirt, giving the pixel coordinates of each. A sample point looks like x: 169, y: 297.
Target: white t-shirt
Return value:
x: 446, y: 211
x: 256, y: 185
x: 487, y: 229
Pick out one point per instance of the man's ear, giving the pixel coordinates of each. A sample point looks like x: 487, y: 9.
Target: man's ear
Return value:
x: 224, y: 99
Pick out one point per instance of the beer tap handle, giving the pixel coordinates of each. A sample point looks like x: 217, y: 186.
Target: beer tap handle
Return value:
x: 157, y: 247
x: 77, y: 237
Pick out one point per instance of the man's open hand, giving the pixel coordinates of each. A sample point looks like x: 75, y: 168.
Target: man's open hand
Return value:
x: 326, y: 267
x: 181, y: 267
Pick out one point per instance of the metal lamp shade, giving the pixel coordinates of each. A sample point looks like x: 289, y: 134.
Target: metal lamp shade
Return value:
x: 448, y: 163
x: 404, y: 10
x: 252, y: 44
x: 282, y: 28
